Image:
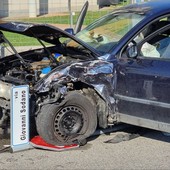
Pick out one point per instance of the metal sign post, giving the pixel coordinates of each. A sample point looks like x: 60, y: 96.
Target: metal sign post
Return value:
x: 20, y: 118
x: 71, y: 14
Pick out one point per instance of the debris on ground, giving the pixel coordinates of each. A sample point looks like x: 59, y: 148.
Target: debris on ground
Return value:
x: 122, y: 137
x: 129, y: 133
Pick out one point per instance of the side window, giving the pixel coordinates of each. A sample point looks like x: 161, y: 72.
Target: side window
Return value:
x: 153, y: 41
x: 157, y: 45
x: 162, y: 44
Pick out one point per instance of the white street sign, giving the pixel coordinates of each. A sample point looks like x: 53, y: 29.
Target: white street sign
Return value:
x: 20, y: 118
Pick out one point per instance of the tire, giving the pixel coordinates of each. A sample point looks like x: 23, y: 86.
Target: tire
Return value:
x: 71, y: 122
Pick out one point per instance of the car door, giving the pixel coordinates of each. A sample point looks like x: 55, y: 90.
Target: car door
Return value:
x: 143, y: 82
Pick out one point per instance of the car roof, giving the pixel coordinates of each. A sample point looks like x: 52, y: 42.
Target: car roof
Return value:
x: 154, y: 7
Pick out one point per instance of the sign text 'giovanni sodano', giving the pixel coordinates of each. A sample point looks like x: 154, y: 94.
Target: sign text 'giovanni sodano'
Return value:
x: 20, y: 112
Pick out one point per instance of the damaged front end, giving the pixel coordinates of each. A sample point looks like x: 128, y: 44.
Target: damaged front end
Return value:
x: 71, y: 89
x: 96, y: 78
x: 77, y: 97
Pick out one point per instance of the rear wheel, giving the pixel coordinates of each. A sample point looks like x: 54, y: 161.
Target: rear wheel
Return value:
x: 69, y: 123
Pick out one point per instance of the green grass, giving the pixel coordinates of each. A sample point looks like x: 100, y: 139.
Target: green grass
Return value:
x: 20, y: 40
x: 65, y: 18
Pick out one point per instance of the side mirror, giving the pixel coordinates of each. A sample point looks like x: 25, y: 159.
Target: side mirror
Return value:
x: 70, y: 31
x: 132, y: 51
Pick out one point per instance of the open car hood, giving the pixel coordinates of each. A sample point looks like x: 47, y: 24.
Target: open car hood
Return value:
x: 45, y: 32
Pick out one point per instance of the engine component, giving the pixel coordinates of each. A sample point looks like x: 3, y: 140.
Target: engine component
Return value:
x: 5, y: 90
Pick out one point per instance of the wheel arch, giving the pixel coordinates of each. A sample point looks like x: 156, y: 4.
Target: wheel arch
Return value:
x: 103, y: 107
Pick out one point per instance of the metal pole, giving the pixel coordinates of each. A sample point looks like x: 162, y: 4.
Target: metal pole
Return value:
x: 71, y: 15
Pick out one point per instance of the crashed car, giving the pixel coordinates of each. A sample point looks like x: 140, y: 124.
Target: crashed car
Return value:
x: 114, y: 70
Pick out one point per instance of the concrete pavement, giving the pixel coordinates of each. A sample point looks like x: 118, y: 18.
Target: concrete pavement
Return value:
x: 149, y: 151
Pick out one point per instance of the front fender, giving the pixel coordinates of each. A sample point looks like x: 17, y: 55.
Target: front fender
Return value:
x: 97, y: 73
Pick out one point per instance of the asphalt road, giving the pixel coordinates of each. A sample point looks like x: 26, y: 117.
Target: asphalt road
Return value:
x: 150, y: 150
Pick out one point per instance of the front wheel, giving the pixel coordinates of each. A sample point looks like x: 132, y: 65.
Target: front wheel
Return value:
x: 69, y: 123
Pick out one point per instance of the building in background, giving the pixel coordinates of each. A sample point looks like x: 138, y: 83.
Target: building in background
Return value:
x: 33, y: 8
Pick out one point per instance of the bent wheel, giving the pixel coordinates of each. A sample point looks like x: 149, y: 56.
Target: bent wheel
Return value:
x: 69, y: 123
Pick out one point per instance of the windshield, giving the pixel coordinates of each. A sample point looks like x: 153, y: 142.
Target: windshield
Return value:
x: 105, y: 33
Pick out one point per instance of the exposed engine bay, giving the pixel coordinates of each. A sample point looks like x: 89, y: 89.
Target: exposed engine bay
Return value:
x: 70, y: 88
x: 29, y: 67
x: 19, y: 75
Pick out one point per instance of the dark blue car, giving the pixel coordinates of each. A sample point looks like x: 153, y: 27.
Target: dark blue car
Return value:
x: 115, y: 70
